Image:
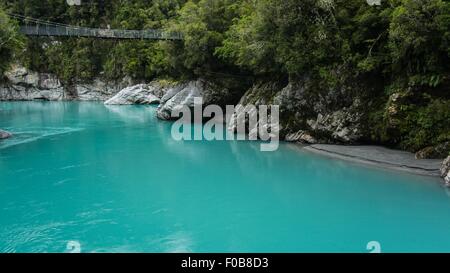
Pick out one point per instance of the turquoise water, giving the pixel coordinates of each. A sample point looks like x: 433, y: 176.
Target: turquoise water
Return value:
x: 111, y: 179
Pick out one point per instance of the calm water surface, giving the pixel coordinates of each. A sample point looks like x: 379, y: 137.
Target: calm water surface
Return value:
x: 113, y: 180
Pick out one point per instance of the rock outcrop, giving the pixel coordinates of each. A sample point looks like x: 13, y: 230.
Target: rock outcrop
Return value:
x: 248, y: 109
x: 183, y: 94
x: 26, y: 85
x: 395, y: 113
x: 306, y: 115
x: 4, y: 134
x: 445, y: 171
x: 137, y: 94
x: 300, y: 136
x: 434, y: 152
x: 176, y: 97
x: 99, y: 90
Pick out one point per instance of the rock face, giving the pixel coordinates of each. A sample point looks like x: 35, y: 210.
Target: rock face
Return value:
x: 306, y: 115
x: 137, y: 94
x: 4, y: 134
x: 248, y: 109
x: 300, y: 136
x: 182, y: 94
x: 434, y: 152
x: 177, y: 97
x: 445, y: 171
x: 394, y: 112
x: 99, y: 90
x: 26, y: 85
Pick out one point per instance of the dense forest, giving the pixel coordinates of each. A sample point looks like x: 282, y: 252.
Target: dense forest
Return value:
x: 400, y: 46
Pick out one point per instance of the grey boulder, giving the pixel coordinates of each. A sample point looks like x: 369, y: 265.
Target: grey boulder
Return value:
x: 137, y: 94
x: 178, y: 97
x: 4, y: 134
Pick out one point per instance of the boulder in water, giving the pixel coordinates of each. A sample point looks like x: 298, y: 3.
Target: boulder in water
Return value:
x: 183, y: 94
x: 176, y: 97
x: 4, y: 134
x: 137, y: 94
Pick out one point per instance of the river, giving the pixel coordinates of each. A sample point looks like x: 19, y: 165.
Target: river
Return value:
x: 112, y: 179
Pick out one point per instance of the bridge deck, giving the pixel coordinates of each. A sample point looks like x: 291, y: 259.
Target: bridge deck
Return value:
x: 72, y: 31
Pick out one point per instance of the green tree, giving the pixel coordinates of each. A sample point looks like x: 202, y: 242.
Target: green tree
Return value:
x: 419, y: 37
x: 11, y: 41
x: 203, y: 24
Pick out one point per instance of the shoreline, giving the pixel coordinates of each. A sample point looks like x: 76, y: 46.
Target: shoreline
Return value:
x: 379, y: 156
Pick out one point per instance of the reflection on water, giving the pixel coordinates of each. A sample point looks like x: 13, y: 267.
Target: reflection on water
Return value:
x: 113, y: 180
x: 24, y: 135
x: 129, y: 113
x: 447, y: 190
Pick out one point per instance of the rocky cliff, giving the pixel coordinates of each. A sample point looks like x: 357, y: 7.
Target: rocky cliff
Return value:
x: 445, y: 171
x: 138, y: 94
x: 308, y: 115
x: 25, y: 85
x: 182, y: 94
x: 310, y: 112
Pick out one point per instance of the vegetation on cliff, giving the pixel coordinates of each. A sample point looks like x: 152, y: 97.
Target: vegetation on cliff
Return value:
x: 10, y: 41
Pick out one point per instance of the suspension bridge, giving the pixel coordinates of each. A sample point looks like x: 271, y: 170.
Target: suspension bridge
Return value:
x: 37, y: 27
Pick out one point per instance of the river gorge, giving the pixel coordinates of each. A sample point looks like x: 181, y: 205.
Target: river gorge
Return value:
x: 112, y: 179
x: 224, y: 127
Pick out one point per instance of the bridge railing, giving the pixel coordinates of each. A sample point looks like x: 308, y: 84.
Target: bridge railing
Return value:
x: 72, y: 31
